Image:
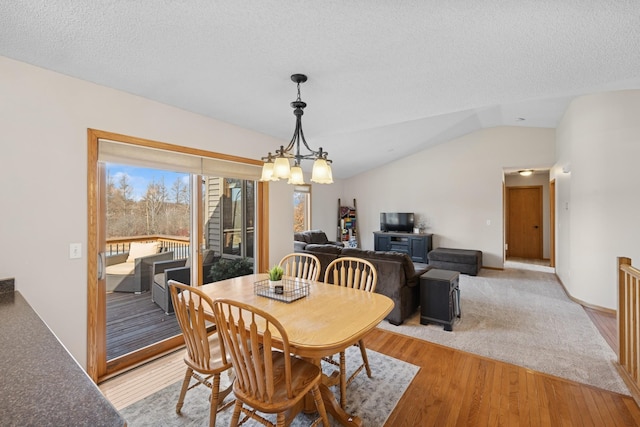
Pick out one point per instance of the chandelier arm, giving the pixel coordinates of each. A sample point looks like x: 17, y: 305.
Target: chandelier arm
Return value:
x: 304, y: 141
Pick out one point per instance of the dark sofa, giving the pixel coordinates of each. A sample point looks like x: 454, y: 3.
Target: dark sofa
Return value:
x: 398, y: 276
x: 315, y: 237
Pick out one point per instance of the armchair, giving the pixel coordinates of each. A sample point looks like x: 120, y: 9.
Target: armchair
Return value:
x: 316, y: 237
x: 129, y: 271
x: 180, y: 271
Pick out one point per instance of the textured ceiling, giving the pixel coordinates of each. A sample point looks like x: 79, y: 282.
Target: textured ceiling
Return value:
x: 386, y: 79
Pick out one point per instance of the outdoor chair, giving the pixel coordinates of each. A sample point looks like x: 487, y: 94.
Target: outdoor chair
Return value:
x: 356, y: 273
x: 205, y: 355
x: 178, y: 270
x: 267, y: 380
x: 301, y: 265
x: 130, y: 271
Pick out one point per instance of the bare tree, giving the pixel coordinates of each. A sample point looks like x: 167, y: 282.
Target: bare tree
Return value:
x: 154, y: 203
x: 180, y: 192
x: 160, y: 211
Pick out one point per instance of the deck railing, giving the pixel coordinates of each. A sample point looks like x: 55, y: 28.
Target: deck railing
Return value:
x: 629, y: 324
x: 179, y: 245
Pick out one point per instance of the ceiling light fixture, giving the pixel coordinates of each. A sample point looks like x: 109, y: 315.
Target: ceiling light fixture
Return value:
x: 277, y: 166
x: 525, y: 172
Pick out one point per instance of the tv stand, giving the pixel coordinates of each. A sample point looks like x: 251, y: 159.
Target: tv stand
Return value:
x: 416, y: 245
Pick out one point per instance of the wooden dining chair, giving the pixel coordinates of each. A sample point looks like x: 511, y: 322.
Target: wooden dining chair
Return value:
x: 356, y: 273
x: 267, y: 380
x: 205, y: 356
x: 301, y: 265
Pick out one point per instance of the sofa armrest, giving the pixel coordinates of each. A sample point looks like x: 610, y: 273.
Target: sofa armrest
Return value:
x: 183, y: 274
x: 420, y: 269
x: 180, y: 274
x: 299, y: 246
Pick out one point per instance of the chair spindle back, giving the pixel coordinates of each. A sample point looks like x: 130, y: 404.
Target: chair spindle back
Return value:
x: 352, y: 272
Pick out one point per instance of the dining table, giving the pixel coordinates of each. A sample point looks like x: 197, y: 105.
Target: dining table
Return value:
x: 320, y: 320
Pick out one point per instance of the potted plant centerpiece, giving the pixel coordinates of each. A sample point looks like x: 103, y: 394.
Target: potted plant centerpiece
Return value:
x: 275, y: 279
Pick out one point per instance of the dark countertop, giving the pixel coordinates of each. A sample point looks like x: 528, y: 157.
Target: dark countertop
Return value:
x: 41, y: 384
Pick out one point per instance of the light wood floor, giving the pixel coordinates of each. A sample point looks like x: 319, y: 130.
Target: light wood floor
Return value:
x: 452, y: 388
x: 145, y: 380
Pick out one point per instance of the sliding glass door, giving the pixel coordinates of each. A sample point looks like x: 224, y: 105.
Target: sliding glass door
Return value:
x: 182, y: 213
x: 150, y: 208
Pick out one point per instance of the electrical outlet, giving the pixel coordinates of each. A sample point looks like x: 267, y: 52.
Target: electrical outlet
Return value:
x: 75, y: 250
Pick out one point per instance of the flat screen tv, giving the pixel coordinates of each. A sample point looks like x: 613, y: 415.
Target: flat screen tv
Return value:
x: 396, y: 221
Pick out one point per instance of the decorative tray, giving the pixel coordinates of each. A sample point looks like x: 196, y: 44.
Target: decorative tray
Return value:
x: 289, y: 290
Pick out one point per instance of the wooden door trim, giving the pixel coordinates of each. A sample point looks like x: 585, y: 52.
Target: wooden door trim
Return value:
x: 552, y: 223
x: 95, y: 352
x: 97, y: 368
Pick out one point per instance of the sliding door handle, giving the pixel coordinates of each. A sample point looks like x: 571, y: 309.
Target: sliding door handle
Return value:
x: 102, y: 269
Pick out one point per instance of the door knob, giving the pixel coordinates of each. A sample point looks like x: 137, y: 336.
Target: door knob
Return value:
x: 535, y: 226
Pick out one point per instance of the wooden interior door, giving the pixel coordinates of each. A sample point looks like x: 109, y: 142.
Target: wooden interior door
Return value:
x: 524, y: 222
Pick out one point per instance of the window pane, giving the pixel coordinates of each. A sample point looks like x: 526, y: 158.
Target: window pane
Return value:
x: 232, y: 217
x: 301, y: 208
x: 250, y: 215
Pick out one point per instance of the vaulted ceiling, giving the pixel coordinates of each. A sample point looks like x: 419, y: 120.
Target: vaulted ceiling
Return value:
x: 386, y: 78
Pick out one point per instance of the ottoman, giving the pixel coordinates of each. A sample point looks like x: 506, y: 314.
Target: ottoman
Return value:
x: 463, y: 260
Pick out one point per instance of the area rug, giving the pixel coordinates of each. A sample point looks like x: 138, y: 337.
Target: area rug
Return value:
x: 525, y: 318
x: 372, y: 399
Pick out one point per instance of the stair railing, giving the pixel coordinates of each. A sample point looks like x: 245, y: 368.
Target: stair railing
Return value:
x: 629, y: 325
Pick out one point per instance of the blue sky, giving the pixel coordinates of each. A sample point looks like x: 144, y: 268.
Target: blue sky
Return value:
x: 140, y: 178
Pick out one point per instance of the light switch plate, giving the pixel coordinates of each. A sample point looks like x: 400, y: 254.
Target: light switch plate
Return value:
x: 75, y: 250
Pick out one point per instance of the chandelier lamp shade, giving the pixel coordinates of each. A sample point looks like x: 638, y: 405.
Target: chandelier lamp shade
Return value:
x: 278, y: 166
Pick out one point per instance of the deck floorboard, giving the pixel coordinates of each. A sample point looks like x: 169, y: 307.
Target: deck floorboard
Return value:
x: 134, y: 322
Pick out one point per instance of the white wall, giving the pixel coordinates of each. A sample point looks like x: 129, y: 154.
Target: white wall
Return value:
x: 324, y: 211
x: 44, y: 118
x: 324, y: 208
x: 455, y: 186
x: 598, y: 204
x: 540, y: 178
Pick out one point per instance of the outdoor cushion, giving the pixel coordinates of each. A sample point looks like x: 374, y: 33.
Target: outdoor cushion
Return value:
x: 139, y: 249
x: 208, y: 256
x: 159, y: 279
x: 123, y: 268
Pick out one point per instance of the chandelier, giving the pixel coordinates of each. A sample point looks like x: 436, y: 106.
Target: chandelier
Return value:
x: 277, y: 166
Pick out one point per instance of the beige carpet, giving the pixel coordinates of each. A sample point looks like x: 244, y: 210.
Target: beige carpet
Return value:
x: 523, y: 316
